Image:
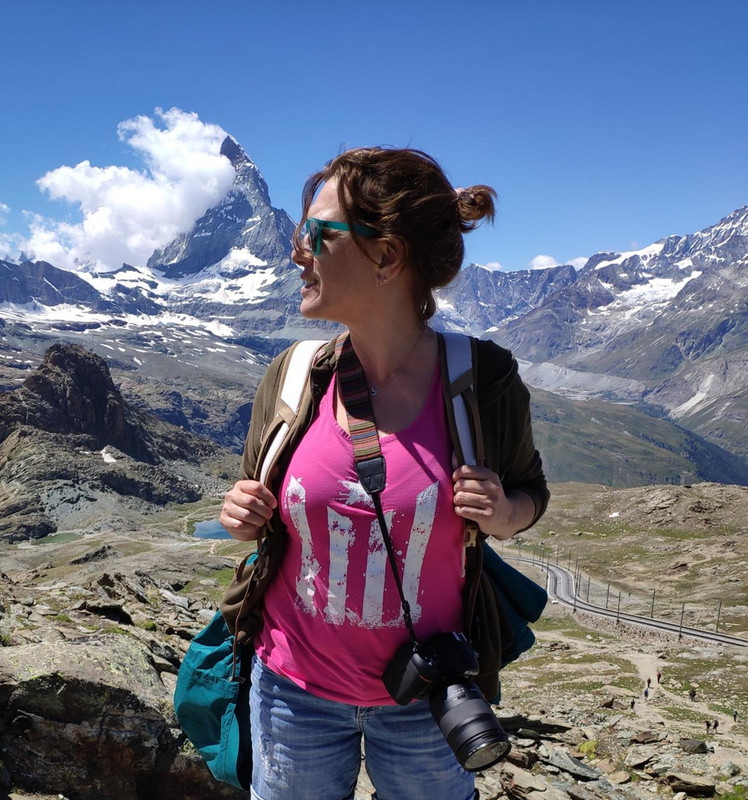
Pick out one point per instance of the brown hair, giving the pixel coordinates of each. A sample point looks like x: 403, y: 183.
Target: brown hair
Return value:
x: 404, y: 194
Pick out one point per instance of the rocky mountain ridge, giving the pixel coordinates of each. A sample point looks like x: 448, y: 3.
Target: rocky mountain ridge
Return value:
x: 663, y: 327
x: 70, y: 443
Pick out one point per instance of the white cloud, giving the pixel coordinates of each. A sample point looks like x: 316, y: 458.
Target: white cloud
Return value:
x: 494, y: 266
x: 9, y: 242
x: 127, y: 214
x: 578, y: 263
x: 543, y: 262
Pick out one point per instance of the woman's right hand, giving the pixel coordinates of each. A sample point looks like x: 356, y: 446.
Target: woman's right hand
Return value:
x: 247, y: 506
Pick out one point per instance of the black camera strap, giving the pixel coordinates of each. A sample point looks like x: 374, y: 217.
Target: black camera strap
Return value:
x: 367, y: 453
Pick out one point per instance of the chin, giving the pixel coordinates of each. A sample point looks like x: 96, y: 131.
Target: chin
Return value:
x: 314, y: 312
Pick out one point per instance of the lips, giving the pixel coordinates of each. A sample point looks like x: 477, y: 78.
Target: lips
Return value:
x: 309, y: 287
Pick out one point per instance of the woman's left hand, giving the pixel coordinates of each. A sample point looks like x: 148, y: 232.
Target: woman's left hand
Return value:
x: 479, y: 496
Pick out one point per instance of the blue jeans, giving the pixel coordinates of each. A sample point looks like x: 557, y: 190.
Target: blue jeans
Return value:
x: 307, y: 748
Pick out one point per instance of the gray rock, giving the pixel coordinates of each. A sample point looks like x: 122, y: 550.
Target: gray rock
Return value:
x: 96, y: 715
x: 563, y: 761
x: 175, y: 599
x: 693, y: 746
x: 692, y: 785
x: 640, y: 755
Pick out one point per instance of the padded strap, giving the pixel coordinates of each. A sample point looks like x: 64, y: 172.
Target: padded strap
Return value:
x: 461, y: 391
x: 367, y: 452
x: 295, y: 381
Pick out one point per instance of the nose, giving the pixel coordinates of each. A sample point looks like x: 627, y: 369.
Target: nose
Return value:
x: 301, y: 256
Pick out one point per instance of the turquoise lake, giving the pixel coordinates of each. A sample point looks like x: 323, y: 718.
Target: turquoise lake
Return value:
x: 212, y: 529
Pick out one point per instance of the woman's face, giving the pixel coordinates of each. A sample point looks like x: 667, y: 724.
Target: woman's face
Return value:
x: 339, y: 281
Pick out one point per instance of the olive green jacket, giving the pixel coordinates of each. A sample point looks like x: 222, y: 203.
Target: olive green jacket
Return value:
x: 504, y: 411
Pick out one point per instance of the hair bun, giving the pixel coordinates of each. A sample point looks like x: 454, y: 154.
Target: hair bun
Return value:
x: 475, y: 204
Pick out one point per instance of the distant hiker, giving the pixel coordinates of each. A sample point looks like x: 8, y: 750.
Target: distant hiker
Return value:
x: 708, y: 726
x: 692, y: 695
x: 734, y: 716
x: 659, y: 676
x: 646, y: 693
x: 649, y: 682
x: 633, y: 703
x: 715, y: 724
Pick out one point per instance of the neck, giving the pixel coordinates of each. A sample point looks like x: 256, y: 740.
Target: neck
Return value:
x: 384, y: 349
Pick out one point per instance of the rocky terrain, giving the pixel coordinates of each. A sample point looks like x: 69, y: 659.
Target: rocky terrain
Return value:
x: 93, y: 627
x: 72, y: 447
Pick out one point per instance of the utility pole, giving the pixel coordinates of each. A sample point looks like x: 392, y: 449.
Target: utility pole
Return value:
x: 618, y: 612
x: 589, y: 578
x: 680, y: 627
x: 607, y: 594
x: 652, y: 612
x: 719, y: 611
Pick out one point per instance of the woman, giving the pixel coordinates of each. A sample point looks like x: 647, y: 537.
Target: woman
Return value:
x: 381, y: 228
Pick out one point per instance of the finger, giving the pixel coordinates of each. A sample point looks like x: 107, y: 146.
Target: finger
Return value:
x: 478, y: 515
x: 475, y: 486
x: 472, y: 500
x: 261, y: 492
x: 261, y: 502
x: 243, y: 531
x: 250, y: 488
x: 251, y: 510
x: 469, y: 471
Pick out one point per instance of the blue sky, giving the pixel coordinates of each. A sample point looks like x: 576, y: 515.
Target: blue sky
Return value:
x: 603, y: 125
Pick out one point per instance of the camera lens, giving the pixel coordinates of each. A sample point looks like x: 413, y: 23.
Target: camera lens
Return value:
x: 469, y: 725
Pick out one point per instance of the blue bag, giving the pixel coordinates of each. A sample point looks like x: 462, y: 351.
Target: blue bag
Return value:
x: 521, y: 601
x: 211, y: 702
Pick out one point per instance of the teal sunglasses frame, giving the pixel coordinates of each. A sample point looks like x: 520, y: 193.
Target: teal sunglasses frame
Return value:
x: 313, y: 228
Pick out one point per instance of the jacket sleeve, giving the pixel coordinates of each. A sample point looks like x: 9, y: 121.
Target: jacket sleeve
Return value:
x: 504, y: 405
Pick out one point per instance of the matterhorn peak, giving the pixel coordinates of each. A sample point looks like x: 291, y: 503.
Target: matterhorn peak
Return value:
x: 235, y: 153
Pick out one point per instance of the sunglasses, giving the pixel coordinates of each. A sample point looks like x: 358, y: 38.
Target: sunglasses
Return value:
x: 312, y: 227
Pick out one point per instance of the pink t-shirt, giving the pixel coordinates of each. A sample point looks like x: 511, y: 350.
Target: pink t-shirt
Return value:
x: 332, y: 617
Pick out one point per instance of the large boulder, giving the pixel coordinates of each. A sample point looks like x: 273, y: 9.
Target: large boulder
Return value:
x: 92, y: 718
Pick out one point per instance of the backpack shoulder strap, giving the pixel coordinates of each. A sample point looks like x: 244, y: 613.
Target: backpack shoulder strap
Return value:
x: 462, y: 402
x: 295, y: 381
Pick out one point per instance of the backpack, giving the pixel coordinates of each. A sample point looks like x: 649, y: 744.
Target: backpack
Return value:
x: 213, y: 680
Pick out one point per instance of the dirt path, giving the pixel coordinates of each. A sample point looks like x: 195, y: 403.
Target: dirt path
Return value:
x: 729, y: 733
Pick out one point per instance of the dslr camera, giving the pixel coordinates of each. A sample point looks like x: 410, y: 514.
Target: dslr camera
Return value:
x: 442, y: 668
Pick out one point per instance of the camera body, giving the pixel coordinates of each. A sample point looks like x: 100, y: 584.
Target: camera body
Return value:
x: 413, y: 672
x: 441, y: 668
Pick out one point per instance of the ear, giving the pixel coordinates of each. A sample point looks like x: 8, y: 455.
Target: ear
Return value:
x: 393, y: 258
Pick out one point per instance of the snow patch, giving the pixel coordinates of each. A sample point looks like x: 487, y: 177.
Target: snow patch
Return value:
x: 108, y: 457
x: 644, y: 254
x: 656, y: 292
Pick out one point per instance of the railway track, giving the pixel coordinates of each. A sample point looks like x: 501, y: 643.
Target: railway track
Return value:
x: 561, y: 589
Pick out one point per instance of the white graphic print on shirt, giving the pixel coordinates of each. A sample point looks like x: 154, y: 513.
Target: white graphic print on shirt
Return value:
x: 338, y: 605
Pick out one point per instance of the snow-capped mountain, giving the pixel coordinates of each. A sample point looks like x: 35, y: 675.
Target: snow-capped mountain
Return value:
x: 239, y: 235
x: 663, y: 326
